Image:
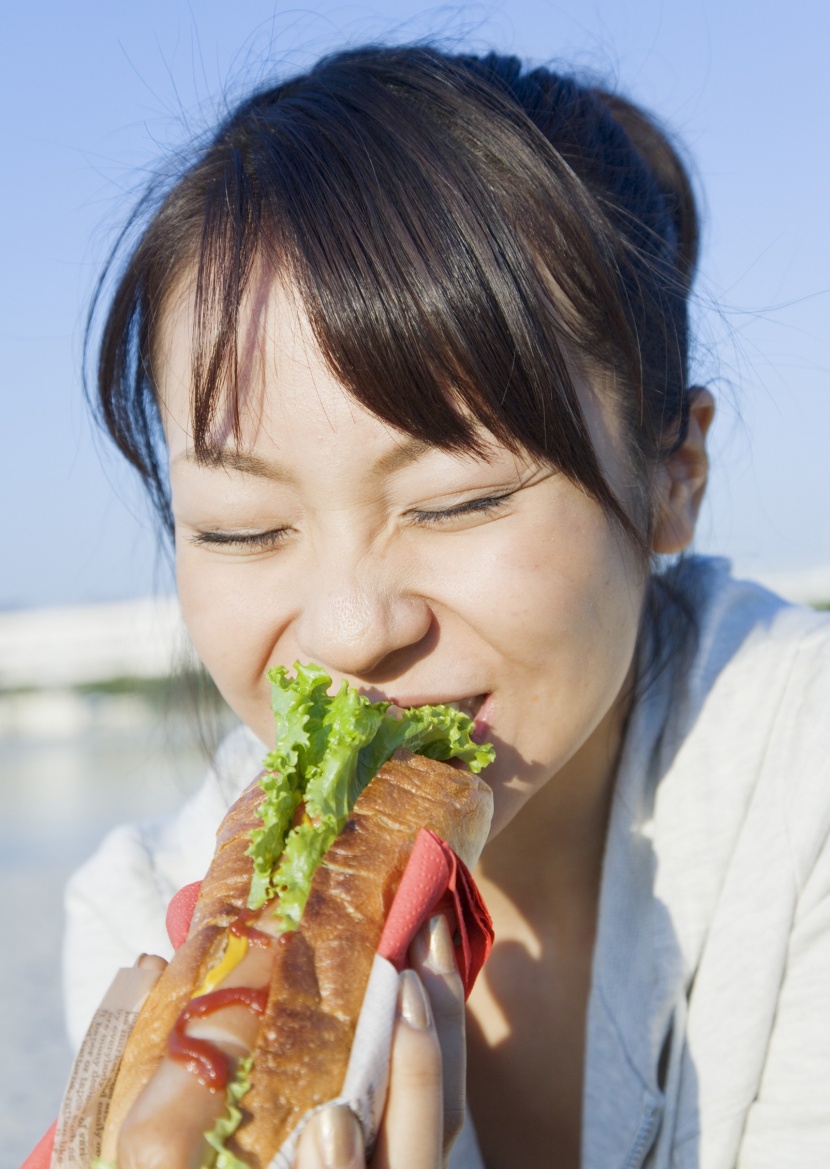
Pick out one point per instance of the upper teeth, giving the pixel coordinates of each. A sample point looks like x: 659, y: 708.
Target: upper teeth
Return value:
x: 468, y: 706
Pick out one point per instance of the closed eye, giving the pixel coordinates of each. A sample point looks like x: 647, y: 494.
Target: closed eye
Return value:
x: 256, y: 541
x: 489, y: 505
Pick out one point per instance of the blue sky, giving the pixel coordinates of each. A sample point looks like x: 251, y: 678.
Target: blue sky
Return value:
x: 95, y: 94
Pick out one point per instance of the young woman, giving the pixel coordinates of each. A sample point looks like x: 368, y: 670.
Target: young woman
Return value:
x: 402, y: 357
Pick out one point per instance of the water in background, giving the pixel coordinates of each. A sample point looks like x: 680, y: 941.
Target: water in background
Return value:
x: 71, y: 767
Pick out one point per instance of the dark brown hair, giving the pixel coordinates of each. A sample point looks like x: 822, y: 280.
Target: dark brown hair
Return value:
x: 466, y: 239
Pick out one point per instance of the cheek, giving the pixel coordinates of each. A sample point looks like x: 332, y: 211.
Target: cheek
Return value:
x: 230, y: 633
x: 562, y: 597
x: 599, y: 595
x: 573, y: 641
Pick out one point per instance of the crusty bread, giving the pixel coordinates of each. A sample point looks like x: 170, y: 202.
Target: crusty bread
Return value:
x: 320, y: 970
x: 223, y: 894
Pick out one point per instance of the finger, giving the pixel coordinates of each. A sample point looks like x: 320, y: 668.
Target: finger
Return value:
x: 151, y: 962
x: 432, y: 955
x: 411, y: 1136
x: 332, y: 1139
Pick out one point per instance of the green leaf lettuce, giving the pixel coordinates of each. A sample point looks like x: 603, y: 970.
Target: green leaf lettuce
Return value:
x: 229, y: 1122
x: 327, y: 749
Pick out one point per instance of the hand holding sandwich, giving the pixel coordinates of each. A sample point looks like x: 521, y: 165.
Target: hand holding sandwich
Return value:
x: 425, y: 1104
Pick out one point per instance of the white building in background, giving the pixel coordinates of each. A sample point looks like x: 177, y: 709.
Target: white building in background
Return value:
x: 64, y: 647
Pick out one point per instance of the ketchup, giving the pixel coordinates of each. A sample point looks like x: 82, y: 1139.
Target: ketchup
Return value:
x: 211, y: 1066
x: 241, y: 928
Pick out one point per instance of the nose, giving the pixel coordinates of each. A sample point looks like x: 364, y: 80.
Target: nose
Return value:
x: 351, y: 623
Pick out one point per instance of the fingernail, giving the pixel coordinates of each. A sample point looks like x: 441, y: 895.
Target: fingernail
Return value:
x: 337, y: 1140
x: 150, y: 962
x: 440, y: 955
x: 413, y: 1003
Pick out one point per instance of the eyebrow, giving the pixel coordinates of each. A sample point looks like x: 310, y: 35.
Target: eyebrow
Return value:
x: 237, y: 461
x: 404, y: 453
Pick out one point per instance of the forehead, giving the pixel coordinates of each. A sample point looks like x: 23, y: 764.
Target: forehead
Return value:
x: 290, y: 402
x: 292, y: 406
x: 278, y: 363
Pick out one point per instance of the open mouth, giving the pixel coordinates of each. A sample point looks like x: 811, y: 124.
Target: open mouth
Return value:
x: 478, y: 708
x: 469, y: 706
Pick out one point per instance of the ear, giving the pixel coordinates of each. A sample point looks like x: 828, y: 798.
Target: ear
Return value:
x: 680, y: 481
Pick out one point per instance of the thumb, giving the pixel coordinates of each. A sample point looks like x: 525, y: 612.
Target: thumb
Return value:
x: 332, y: 1139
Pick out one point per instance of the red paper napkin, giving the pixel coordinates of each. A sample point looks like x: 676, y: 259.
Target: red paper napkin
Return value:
x: 437, y: 881
x: 180, y: 913
x: 40, y: 1156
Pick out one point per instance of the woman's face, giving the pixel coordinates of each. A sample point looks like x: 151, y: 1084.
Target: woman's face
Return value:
x: 419, y: 575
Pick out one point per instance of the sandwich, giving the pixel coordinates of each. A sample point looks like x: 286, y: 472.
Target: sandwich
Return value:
x: 251, y: 1026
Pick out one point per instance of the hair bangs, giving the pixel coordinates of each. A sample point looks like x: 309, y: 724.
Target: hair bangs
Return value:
x: 468, y: 241
x: 429, y: 302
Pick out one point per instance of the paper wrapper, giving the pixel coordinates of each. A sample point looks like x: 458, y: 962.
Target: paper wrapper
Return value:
x: 75, y: 1138
x: 434, y: 881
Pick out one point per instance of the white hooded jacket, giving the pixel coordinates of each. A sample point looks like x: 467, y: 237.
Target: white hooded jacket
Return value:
x: 708, y: 1042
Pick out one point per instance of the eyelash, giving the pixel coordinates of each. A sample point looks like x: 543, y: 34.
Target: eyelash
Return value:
x: 261, y: 541
x: 489, y: 505
x: 264, y: 541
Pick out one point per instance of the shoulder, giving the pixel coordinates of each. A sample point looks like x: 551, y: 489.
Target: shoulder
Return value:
x: 715, y: 911
x: 740, y: 620
x: 756, y: 675
x: 742, y: 762
x: 743, y: 866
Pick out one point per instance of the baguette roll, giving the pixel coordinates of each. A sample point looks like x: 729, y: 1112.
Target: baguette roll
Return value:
x: 315, y: 975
